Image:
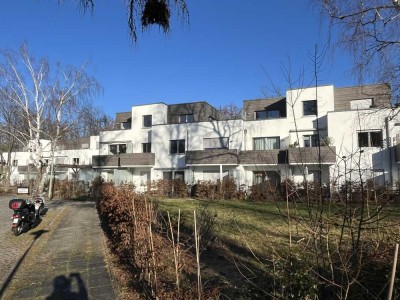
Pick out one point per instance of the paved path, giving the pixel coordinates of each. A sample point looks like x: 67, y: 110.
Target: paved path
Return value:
x: 65, y: 261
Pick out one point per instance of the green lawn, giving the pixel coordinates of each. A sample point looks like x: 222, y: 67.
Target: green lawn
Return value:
x: 263, y: 227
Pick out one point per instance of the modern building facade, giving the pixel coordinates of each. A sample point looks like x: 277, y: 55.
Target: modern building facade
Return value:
x: 324, y: 134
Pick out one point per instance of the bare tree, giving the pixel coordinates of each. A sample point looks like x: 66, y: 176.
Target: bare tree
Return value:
x: 370, y: 31
x: 92, y: 121
x: 47, y: 101
x: 231, y: 111
x: 9, y: 120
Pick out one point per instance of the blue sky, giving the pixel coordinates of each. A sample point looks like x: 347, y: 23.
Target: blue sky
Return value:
x: 221, y: 57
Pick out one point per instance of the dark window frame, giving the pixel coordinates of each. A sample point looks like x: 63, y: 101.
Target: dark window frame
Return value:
x: 313, y: 140
x: 265, y: 138
x: 186, y: 118
x: 147, y: 121
x: 267, y: 114
x: 177, y: 146
x: 370, y: 139
x: 310, y: 108
x: 116, y: 149
x: 146, y: 147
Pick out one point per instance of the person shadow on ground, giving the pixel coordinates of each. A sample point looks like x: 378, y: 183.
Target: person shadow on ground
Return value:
x: 63, y: 288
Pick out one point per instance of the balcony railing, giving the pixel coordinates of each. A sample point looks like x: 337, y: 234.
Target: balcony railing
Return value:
x: 309, y: 155
x: 212, y: 157
x: 263, y: 157
x: 123, y: 160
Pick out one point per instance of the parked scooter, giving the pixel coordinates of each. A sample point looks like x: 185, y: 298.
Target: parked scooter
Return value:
x: 23, y: 217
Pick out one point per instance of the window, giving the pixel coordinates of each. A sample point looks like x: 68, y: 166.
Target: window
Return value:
x: 177, y: 146
x: 311, y: 140
x: 147, y: 121
x: 127, y: 125
x: 258, y: 177
x: 117, y: 148
x: 216, y: 143
x: 75, y: 160
x: 268, y: 114
x: 15, y: 163
x: 273, y: 178
x: 146, y: 147
x: 188, y: 118
x: 310, y: 107
x: 370, y: 139
x: 267, y: 143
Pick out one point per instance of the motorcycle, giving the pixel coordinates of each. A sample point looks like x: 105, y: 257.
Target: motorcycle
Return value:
x: 23, y: 217
x: 39, y: 206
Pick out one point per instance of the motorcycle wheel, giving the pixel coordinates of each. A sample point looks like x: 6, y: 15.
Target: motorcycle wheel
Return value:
x: 18, y: 230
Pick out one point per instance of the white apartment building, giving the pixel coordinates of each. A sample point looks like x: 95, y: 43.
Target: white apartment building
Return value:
x: 324, y: 133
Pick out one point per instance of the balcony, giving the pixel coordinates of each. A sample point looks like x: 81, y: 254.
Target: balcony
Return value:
x: 263, y: 157
x: 124, y: 160
x: 212, y: 157
x: 309, y: 155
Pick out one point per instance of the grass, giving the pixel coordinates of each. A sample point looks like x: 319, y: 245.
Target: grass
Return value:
x: 258, y: 227
x: 263, y: 227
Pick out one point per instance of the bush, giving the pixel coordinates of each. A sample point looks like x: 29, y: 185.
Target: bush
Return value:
x: 264, y: 192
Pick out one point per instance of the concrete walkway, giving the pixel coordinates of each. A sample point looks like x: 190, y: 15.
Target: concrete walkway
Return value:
x: 66, y: 259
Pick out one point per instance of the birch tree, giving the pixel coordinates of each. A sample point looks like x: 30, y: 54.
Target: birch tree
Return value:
x: 370, y: 31
x: 47, y: 101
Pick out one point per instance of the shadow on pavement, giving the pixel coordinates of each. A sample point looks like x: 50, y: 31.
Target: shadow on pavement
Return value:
x: 36, y: 235
x: 64, y: 288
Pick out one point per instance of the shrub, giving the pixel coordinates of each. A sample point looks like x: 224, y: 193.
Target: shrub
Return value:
x: 264, y: 192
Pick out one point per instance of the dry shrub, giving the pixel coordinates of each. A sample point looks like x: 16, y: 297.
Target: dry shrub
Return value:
x: 211, y: 190
x: 138, y: 239
x: 205, y: 189
x: 176, y: 188
x: 69, y: 189
x: 229, y: 189
x: 264, y: 192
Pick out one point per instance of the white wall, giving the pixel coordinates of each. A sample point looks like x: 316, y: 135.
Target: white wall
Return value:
x: 344, y: 127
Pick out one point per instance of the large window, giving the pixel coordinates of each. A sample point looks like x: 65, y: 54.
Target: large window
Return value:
x: 117, y: 148
x: 273, y: 177
x: 370, y: 139
x: 177, y: 146
x: 268, y: 114
x: 187, y: 118
x: 311, y: 140
x: 267, y: 143
x: 146, y: 147
x: 216, y: 143
x: 310, y: 107
x: 147, y: 121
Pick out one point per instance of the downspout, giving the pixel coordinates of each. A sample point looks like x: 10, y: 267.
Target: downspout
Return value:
x: 388, y: 145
